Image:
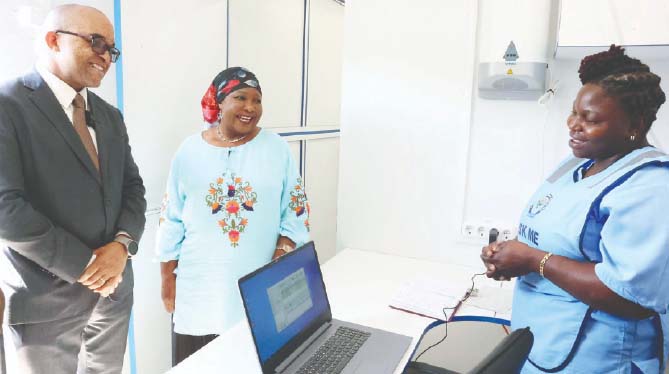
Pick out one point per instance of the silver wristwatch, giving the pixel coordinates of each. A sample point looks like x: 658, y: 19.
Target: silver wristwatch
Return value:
x: 129, y: 244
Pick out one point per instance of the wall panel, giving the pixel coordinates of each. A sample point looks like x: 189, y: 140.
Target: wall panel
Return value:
x: 326, y: 37
x: 267, y: 37
x: 322, y: 173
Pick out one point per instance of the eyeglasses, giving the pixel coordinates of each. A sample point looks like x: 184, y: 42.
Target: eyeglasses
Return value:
x: 98, y: 44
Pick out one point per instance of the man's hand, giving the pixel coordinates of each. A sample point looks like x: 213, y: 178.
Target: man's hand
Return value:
x: 110, y: 286
x: 103, y: 274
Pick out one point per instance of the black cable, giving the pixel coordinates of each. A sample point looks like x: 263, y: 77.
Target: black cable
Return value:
x: 464, y: 298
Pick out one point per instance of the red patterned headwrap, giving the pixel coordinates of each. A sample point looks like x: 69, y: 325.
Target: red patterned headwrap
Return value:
x: 227, y: 81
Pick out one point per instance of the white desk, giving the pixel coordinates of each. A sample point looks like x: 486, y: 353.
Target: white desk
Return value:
x: 360, y: 285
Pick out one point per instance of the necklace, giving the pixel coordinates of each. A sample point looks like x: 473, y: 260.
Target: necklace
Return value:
x: 219, y: 133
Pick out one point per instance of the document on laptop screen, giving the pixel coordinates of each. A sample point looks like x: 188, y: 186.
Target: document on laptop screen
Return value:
x: 289, y: 299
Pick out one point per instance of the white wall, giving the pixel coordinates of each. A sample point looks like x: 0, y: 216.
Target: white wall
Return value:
x: 659, y: 133
x: 321, y: 176
x: 405, y: 125
x: 642, y: 22
x: 267, y: 37
x: 506, y: 145
x: 326, y: 28
x: 168, y: 64
x: 323, y: 97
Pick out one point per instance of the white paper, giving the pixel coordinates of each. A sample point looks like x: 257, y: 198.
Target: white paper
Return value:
x: 494, y: 299
x: 429, y: 297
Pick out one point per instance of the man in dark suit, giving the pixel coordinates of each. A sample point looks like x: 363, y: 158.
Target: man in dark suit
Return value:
x: 71, y: 204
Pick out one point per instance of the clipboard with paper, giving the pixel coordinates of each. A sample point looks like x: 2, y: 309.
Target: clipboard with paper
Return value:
x: 429, y: 298
x: 441, y: 299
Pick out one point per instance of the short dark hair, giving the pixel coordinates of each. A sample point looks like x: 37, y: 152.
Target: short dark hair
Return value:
x: 628, y: 80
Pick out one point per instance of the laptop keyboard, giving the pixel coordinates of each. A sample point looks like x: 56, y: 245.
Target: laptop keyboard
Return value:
x: 336, y: 352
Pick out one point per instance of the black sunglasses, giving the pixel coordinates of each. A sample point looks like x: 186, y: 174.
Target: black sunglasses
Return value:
x: 98, y: 44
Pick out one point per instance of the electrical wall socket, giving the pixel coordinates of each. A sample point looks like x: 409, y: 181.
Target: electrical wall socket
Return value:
x: 507, y: 234
x: 477, y: 232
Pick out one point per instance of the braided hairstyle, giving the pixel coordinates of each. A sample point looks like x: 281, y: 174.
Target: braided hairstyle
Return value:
x: 626, y: 79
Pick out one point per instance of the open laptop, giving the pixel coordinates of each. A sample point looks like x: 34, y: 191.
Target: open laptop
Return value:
x: 292, y: 326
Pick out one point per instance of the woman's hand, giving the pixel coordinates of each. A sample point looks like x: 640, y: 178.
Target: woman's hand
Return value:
x: 168, y: 289
x: 277, y: 253
x: 510, y: 259
x: 168, y: 292
x: 281, y: 243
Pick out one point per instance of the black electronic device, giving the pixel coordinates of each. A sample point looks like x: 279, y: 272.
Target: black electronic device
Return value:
x: 492, y: 236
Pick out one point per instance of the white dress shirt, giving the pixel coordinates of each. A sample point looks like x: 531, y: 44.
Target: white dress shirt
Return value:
x: 65, y: 95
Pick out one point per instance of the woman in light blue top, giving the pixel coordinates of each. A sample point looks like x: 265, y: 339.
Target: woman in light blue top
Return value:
x: 234, y: 201
x: 592, y: 254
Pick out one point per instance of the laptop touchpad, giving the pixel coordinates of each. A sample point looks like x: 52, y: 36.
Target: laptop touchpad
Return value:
x: 373, y: 366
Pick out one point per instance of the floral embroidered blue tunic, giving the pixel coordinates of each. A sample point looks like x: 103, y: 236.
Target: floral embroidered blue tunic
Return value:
x: 223, y: 212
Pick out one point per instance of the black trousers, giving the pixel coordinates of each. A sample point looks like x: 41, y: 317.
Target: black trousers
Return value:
x: 185, y: 345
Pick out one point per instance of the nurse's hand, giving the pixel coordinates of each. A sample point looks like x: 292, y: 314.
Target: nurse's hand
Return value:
x: 486, y: 256
x: 510, y: 259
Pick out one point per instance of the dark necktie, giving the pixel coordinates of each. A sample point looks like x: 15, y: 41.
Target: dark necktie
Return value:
x: 79, y: 122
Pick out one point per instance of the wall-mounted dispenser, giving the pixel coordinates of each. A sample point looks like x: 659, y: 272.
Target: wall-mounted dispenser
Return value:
x: 512, y: 80
x: 521, y: 74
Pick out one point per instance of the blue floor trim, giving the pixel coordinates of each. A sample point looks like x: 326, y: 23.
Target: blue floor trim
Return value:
x: 119, y: 104
x: 119, y: 63
x: 131, y: 343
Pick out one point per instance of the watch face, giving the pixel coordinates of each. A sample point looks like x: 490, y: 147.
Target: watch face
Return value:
x: 132, y: 248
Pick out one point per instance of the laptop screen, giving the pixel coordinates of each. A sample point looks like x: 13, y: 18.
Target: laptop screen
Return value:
x: 285, y: 302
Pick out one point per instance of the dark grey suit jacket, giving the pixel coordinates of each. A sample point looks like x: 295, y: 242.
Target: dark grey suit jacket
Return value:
x: 55, y: 208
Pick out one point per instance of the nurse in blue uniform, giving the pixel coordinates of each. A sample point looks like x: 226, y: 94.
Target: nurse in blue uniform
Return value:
x: 592, y: 253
